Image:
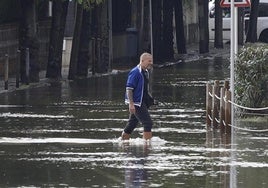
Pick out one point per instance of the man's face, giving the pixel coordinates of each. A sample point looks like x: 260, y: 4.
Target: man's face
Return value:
x: 148, y: 62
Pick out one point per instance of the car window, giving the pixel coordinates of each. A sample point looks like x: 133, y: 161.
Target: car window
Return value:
x: 263, y: 10
x: 225, y: 12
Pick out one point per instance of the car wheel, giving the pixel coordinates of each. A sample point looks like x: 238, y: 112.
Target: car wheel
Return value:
x: 264, y: 36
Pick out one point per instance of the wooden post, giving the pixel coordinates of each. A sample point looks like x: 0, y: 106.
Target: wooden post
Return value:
x: 208, y: 103
x: 228, y: 109
x: 6, y: 71
x: 226, y: 85
x: 18, y: 70
x: 222, y: 110
x: 215, y: 103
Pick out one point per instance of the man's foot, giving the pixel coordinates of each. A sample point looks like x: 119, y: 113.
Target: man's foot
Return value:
x: 147, y: 135
x: 125, y: 136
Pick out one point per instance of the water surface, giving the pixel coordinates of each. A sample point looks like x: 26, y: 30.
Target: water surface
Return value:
x: 66, y: 135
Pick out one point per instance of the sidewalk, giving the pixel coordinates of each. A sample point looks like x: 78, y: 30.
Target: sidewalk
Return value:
x: 192, y: 55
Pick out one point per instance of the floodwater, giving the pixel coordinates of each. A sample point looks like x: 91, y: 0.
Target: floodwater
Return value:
x: 66, y: 135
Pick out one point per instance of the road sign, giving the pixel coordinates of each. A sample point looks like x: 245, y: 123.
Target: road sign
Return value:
x: 237, y: 3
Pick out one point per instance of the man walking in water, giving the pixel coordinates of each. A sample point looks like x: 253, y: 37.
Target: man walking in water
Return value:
x: 138, y: 98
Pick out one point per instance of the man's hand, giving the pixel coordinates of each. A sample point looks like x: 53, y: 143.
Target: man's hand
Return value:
x: 131, y: 108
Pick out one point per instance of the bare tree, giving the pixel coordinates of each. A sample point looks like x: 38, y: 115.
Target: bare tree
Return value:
x: 28, y: 40
x: 75, y: 44
x: 59, y: 13
x: 180, y: 36
x: 167, y: 35
x: 241, y: 14
x: 218, y: 43
x: 157, y: 28
x: 252, y: 27
x: 203, y: 26
x: 84, y: 52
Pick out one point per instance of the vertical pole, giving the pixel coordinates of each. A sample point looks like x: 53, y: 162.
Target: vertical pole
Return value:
x: 27, y: 65
x: 233, y: 51
x: 110, y: 26
x: 18, y: 70
x: 99, y: 60
x: 151, y: 27
x: 208, y: 104
x: 6, y: 72
x: 141, y: 32
x: 93, y: 56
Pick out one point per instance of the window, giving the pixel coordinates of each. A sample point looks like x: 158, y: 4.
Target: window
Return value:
x: 263, y: 10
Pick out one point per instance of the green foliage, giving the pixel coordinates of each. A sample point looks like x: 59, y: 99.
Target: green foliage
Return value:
x: 87, y: 4
x: 251, y: 77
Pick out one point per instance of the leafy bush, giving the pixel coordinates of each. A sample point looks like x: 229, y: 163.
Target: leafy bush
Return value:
x: 251, y: 75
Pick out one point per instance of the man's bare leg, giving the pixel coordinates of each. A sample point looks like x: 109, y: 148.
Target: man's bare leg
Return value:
x: 125, y: 136
x: 147, y: 135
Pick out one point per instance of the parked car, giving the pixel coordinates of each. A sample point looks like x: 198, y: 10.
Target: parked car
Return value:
x: 262, y: 24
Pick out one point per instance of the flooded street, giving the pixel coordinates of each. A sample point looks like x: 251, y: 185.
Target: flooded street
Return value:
x: 66, y: 135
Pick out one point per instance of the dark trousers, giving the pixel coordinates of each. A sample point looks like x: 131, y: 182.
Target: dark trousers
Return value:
x: 142, y: 115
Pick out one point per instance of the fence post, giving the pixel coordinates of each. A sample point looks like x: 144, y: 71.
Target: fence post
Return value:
x: 215, y: 103
x: 226, y: 85
x: 18, y: 70
x: 222, y: 110
x: 6, y: 71
x: 228, y: 111
x: 208, y: 103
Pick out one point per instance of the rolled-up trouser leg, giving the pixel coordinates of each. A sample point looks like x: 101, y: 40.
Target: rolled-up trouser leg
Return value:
x: 132, y: 124
x: 141, y: 115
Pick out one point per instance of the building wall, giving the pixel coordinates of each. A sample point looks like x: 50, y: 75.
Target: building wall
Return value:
x: 9, y: 44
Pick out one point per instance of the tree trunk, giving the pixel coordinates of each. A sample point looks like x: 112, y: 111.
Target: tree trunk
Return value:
x: 203, y: 26
x: 83, y: 56
x: 180, y: 36
x: 28, y: 39
x: 100, y: 36
x: 76, y: 40
x: 134, y: 13
x: 241, y: 25
x: 140, y: 25
x: 59, y: 13
x: 157, y: 29
x: 218, y: 43
x: 252, y: 27
x: 167, y: 44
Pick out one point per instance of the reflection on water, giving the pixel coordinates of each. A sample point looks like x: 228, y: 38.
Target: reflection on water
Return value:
x: 66, y: 135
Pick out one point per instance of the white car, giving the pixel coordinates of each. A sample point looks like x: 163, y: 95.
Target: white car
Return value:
x: 262, y: 24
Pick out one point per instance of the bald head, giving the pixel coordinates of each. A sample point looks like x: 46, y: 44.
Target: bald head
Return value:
x: 146, y: 60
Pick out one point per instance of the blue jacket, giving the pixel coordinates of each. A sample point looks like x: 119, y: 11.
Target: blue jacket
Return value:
x: 135, y: 82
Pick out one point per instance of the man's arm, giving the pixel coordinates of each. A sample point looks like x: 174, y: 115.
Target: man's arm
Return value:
x: 131, y: 106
